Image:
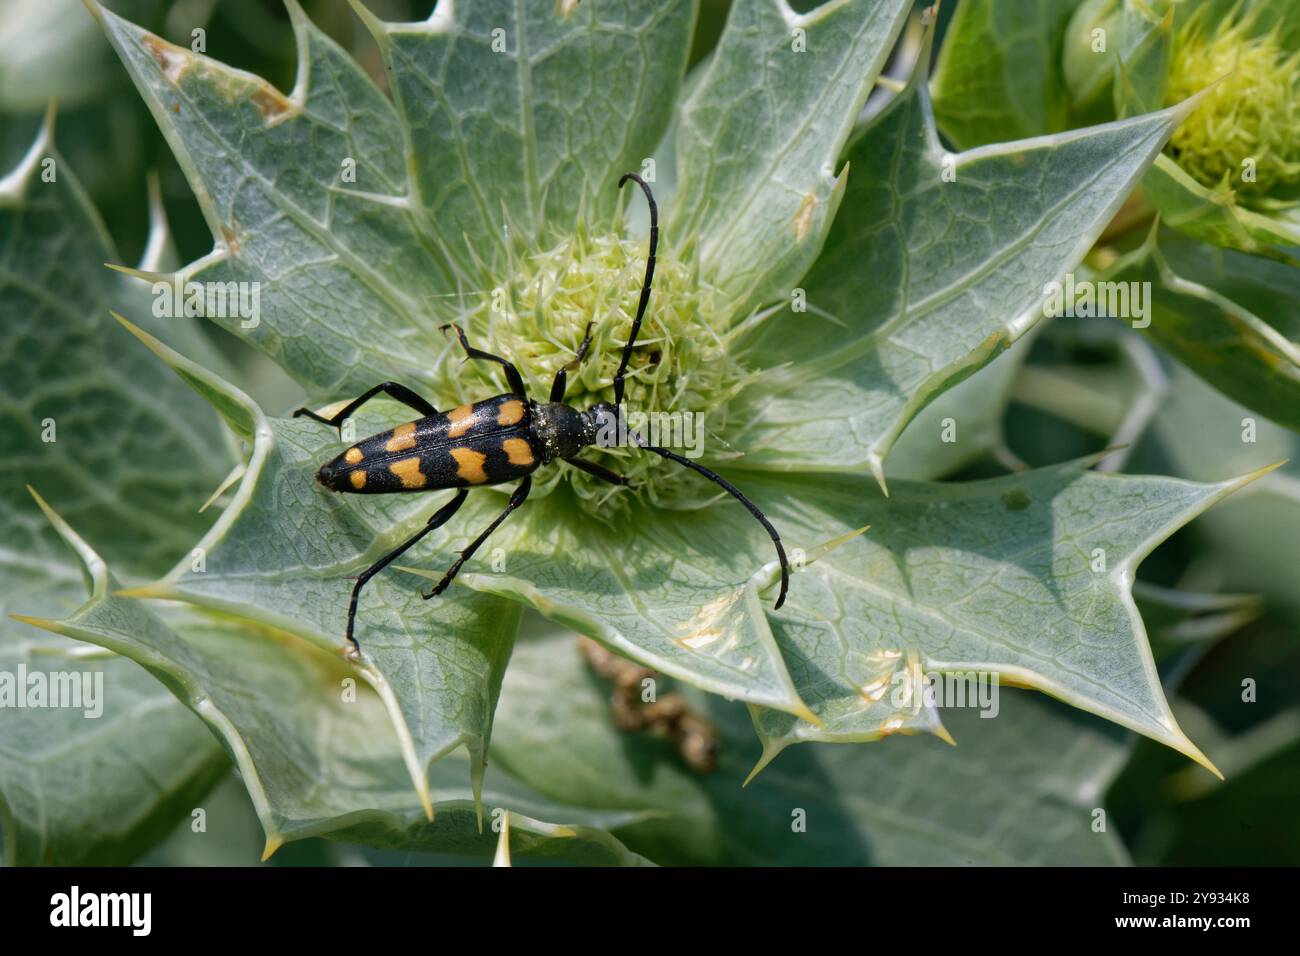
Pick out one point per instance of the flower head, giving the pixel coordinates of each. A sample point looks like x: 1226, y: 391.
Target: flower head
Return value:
x: 1244, y: 133
x: 682, y: 362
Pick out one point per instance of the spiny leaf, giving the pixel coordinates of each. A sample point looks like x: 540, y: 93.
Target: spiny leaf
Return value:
x: 758, y: 137
x: 524, y: 115
x: 317, y: 751
x: 308, y: 194
x: 268, y: 171
x: 282, y: 553
x: 680, y: 594
x: 96, y: 791
x: 963, y: 424
x: 88, y: 419
x: 1028, y: 576
x: 903, y: 802
x: 924, y: 280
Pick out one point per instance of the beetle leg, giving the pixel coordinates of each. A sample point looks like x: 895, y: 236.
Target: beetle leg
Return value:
x: 439, y: 518
x: 392, y: 389
x: 561, y: 381
x: 512, y: 374
x: 598, y: 471
x: 516, y: 499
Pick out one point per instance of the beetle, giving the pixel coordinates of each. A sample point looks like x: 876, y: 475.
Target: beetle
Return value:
x: 499, y: 439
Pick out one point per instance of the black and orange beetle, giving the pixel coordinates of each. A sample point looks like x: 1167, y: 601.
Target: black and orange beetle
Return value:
x: 500, y: 439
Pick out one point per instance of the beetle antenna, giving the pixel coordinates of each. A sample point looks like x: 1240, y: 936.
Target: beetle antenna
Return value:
x: 645, y: 286
x: 736, y: 493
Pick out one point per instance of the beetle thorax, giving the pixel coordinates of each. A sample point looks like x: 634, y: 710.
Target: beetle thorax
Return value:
x: 561, y: 431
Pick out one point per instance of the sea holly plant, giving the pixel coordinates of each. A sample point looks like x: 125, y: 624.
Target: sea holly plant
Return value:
x: 127, y: 454
x: 827, y: 281
x: 1229, y: 176
x: 132, y: 752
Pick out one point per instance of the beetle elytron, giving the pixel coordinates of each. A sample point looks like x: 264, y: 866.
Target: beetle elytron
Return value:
x: 500, y: 439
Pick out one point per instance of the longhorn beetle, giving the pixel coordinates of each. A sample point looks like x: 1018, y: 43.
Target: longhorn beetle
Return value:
x: 499, y: 439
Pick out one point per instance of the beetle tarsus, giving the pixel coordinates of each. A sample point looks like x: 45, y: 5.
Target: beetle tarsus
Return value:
x: 512, y: 374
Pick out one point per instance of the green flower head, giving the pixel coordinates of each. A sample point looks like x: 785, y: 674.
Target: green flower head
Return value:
x: 683, y: 361
x: 1244, y: 133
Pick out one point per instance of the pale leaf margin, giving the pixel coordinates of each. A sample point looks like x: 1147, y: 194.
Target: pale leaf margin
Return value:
x: 1013, y: 329
x: 1008, y: 330
x: 243, y: 415
x: 98, y: 583
x: 1123, y: 575
x: 178, y: 681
